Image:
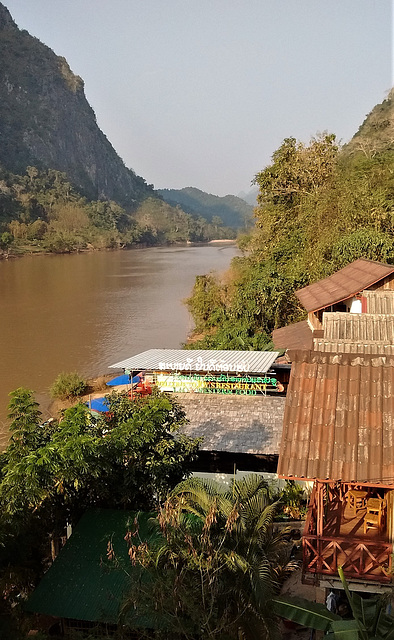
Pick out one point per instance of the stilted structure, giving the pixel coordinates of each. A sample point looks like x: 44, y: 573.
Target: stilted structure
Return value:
x: 338, y: 429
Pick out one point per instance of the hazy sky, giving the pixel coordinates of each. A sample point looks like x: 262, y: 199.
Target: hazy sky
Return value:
x: 201, y: 92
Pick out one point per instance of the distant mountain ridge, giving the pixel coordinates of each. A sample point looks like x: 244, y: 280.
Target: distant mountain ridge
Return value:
x: 46, y: 121
x: 250, y: 197
x: 234, y: 211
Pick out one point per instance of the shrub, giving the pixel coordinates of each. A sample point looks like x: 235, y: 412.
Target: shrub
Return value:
x: 294, y: 500
x: 6, y: 239
x: 68, y: 385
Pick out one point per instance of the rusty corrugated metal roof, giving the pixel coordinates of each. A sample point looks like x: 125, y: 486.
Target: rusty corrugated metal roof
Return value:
x: 339, y: 418
x: 381, y: 301
x: 343, y: 284
x: 294, y: 336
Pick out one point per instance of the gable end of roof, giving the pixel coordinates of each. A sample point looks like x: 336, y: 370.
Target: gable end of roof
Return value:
x: 343, y: 284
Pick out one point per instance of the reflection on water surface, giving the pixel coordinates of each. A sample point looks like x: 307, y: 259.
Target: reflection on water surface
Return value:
x: 84, y: 312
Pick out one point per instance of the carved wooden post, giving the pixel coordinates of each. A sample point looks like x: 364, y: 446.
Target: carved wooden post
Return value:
x: 319, y: 524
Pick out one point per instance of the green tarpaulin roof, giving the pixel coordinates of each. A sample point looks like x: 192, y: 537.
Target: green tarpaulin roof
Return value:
x: 81, y: 583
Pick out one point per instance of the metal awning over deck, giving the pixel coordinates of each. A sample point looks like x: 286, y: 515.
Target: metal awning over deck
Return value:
x: 200, y: 360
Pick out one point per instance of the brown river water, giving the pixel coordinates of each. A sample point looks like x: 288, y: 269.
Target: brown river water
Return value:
x: 83, y: 312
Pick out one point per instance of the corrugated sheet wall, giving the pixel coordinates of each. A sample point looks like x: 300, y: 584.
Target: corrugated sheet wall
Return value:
x: 365, y: 327
x: 380, y: 301
x: 363, y: 333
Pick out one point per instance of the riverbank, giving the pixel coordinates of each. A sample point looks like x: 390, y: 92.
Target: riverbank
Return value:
x: 34, y: 250
x: 95, y: 387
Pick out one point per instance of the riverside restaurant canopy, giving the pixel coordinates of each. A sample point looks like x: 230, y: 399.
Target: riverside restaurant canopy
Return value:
x: 200, y: 360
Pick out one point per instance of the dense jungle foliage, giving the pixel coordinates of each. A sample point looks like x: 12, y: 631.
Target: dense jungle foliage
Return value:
x: 41, y: 211
x: 319, y: 208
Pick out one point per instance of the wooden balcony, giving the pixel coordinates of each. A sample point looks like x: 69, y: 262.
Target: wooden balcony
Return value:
x: 334, y: 536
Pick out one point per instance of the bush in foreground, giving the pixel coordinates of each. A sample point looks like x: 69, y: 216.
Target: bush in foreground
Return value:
x: 68, y: 385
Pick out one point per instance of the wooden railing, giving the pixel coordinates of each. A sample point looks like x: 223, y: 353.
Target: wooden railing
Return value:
x: 359, y: 558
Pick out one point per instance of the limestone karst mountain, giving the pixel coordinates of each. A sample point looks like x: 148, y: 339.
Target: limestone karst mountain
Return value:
x: 46, y: 121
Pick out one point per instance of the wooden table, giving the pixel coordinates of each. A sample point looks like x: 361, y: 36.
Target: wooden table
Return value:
x: 357, y: 500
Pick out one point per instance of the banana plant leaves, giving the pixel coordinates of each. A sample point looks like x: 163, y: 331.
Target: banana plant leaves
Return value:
x: 371, y: 622
x: 306, y: 613
x: 344, y: 630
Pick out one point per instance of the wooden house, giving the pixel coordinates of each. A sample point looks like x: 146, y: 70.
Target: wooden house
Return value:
x: 338, y: 428
x: 364, y: 286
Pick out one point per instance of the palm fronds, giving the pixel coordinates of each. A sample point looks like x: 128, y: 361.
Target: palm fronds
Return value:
x: 224, y: 557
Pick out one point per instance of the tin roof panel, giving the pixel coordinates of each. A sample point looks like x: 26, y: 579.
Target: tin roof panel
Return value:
x: 199, y: 360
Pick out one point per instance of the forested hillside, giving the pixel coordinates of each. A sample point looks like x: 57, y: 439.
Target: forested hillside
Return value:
x: 232, y: 211
x: 319, y: 208
x: 41, y: 211
x: 376, y: 132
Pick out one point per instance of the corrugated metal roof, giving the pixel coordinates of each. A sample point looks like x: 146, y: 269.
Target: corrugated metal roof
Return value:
x: 356, y: 333
x: 343, y: 284
x: 202, y: 360
x: 345, y: 346
x: 80, y: 584
x: 339, y: 418
x: 294, y: 336
x: 356, y: 327
x: 380, y: 301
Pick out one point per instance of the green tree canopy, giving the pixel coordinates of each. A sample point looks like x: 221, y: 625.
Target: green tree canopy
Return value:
x: 130, y: 459
x: 319, y: 208
x: 50, y: 473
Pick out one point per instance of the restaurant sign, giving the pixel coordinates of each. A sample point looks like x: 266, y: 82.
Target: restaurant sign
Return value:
x: 234, y: 385
x: 198, y: 364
